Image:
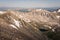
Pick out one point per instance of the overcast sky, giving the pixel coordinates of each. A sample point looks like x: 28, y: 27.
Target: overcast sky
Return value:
x: 29, y: 3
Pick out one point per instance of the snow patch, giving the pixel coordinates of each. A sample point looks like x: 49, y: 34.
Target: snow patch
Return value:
x: 38, y: 9
x: 58, y: 17
x: 59, y: 10
x: 2, y: 12
x: 16, y: 23
x: 13, y: 26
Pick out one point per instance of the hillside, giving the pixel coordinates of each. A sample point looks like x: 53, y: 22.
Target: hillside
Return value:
x: 16, y: 25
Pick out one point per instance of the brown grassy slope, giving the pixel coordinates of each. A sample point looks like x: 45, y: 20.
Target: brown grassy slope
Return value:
x: 25, y: 31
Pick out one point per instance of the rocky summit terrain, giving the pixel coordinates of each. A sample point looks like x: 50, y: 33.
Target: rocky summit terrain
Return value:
x: 37, y: 24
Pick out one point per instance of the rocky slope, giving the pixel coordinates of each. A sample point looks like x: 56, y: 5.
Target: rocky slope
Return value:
x: 16, y: 25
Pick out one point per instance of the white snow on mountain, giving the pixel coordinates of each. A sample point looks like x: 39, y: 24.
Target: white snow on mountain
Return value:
x: 59, y: 10
x: 2, y: 12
